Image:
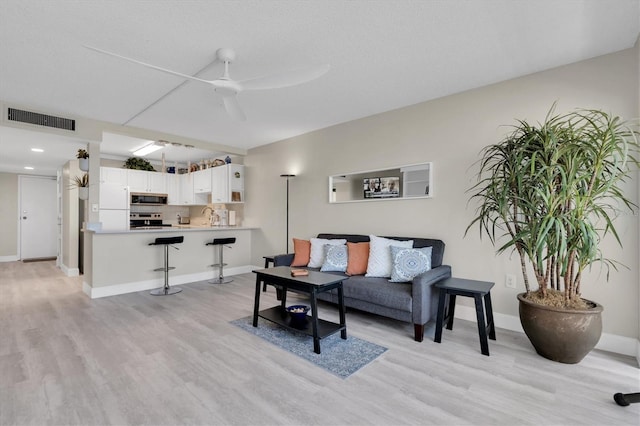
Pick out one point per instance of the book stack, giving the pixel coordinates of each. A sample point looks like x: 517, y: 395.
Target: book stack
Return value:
x: 299, y: 272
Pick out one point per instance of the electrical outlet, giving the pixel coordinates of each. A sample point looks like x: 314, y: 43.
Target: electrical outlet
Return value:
x: 94, y: 208
x: 510, y: 281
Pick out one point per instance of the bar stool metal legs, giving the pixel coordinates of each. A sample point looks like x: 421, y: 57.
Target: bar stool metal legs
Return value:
x: 221, y: 242
x: 166, y: 290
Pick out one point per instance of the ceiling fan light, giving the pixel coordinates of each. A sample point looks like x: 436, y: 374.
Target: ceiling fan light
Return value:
x: 147, y: 149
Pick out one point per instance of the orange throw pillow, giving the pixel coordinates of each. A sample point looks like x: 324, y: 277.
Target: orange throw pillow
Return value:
x: 358, y: 258
x: 302, y: 250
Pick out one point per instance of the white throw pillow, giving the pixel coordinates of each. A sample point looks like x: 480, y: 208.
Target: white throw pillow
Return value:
x: 316, y: 259
x: 380, y: 262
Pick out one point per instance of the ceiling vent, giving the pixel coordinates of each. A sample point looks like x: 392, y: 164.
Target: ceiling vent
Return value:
x: 41, y: 119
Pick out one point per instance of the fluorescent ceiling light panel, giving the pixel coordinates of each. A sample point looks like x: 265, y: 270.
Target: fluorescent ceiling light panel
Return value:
x: 37, y: 150
x: 147, y: 149
x: 28, y: 168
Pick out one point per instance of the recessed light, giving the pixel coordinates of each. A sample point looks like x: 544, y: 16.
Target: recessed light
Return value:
x: 37, y: 150
x: 28, y: 168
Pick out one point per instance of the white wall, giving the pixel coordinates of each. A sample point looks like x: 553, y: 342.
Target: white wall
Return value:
x: 450, y: 132
x: 8, y: 216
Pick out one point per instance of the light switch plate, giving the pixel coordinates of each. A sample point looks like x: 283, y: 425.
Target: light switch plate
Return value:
x: 94, y: 208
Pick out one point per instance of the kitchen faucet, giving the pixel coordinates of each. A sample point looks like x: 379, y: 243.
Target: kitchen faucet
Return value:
x: 210, y: 214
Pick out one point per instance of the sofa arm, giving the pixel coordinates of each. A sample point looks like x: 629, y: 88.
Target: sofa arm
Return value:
x: 425, y: 296
x: 283, y: 259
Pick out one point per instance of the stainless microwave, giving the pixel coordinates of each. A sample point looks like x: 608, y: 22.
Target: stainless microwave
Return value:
x: 142, y: 198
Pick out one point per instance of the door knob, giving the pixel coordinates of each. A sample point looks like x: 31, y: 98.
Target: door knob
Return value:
x: 24, y: 217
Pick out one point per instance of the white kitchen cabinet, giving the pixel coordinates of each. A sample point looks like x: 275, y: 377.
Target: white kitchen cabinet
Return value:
x: 173, y: 189
x: 202, y: 181
x: 236, y: 183
x: 185, y: 189
x: 147, y: 182
x: 113, y: 175
x: 227, y: 184
x: 219, y: 184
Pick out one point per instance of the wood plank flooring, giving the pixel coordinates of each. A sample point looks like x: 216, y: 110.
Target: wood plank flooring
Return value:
x: 140, y: 359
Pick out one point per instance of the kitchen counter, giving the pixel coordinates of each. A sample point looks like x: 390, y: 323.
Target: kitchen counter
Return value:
x: 174, y: 228
x: 118, y: 262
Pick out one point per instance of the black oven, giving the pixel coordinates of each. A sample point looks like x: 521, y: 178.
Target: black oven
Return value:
x: 141, y: 198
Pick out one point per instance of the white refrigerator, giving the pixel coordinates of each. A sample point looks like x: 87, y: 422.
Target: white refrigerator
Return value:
x: 114, y: 206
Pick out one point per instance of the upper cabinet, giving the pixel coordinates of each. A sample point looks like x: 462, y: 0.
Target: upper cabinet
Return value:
x: 202, y: 181
x: 236, y: 183
x: 228, y: 184
x: 113, y: 175
x: 222, y: 184
x: 147, y: 182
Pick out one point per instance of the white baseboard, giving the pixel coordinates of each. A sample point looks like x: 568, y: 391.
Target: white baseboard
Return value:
x: 608, y: 342
x: 132, y: 287
x: 9, y: 258
x: 70, y: 272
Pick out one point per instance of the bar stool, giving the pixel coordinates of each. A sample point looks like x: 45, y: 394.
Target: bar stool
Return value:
x: 221, y: 242
x: 166, y: 242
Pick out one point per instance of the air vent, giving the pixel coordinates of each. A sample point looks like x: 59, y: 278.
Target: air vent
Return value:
x: 41, y: 119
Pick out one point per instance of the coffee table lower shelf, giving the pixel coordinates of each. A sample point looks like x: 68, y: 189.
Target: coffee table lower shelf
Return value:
x: 280, y: 317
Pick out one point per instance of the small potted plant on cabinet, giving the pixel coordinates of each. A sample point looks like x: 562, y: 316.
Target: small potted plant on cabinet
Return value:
x: 551, y: 192
x: 83, y: 160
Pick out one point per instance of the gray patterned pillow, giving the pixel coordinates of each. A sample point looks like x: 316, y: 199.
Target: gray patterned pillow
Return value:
x: 335, y: 258
x: 409, y: 263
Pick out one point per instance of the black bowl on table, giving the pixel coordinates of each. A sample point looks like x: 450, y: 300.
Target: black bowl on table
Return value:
x: 298, y: 315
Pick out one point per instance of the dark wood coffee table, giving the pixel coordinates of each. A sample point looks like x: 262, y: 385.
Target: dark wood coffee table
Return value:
x: 314, y: 283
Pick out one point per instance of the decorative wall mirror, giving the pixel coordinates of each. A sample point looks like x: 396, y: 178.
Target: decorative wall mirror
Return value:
x: 398, y: 183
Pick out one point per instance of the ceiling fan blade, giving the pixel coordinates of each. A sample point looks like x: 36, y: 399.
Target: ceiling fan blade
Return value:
x: 286, y: 79
x: 151, y: 66
x: 232, y: 106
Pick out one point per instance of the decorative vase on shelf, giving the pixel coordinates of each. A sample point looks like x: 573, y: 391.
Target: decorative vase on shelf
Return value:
x: 83, y: 163
x: 83, y: 192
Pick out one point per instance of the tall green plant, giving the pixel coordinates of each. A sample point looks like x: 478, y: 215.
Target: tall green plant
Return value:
x: 551, y: 192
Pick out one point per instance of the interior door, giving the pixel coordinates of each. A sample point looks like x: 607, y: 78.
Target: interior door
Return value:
x: 38, y: 217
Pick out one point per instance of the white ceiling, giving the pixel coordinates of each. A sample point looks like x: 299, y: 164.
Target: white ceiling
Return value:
x: 383, y: 55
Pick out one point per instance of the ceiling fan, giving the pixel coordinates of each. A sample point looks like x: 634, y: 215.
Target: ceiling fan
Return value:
x: 228, y: 88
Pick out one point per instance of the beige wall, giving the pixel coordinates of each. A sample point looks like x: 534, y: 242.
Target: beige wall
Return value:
x: 450, y: 132
x: 8, y: 215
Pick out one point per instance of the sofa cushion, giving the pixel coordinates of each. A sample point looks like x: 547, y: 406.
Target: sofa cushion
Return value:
x: 409, y: 263
x: 379, y: 291
x: 317, y: 250
x: 302, y: 250
x: 436, y: 255
x: 380, y: 263
x: 358, y: 258
x: 335, y: 258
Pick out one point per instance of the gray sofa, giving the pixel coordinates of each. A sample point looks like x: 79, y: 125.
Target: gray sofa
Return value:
x: 414, y: 302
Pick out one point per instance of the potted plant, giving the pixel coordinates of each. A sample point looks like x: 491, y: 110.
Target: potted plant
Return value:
x: 551, y: 192
x: 82, y: 183
x: 83, y: 160
x: 136, y: 163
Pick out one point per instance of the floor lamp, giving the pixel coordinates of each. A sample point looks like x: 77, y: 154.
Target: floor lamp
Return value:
x: 288, y: 177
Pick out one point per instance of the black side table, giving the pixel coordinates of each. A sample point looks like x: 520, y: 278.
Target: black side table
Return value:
x: 479, y: 290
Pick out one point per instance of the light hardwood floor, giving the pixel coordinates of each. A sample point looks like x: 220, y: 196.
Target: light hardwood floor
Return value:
x: 140, y: 359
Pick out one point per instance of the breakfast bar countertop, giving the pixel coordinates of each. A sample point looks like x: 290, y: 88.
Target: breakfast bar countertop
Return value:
x: 173, y: 228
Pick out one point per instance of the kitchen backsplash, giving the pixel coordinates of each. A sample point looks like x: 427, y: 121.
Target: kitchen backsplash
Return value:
x: 170, y: 213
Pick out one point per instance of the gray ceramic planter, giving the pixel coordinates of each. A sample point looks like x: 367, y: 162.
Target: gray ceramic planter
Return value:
x: 559, y: 334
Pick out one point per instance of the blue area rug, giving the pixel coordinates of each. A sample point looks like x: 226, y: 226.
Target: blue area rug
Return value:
x: 340, y: 357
